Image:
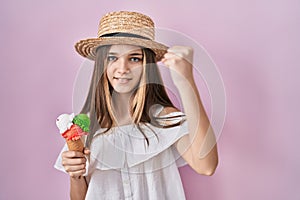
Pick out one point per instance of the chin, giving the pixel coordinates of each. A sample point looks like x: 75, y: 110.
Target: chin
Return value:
x: 123, y: 91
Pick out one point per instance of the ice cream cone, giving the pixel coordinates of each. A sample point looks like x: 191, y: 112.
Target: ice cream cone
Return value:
x: 76, y: 145
x: 72, y: 128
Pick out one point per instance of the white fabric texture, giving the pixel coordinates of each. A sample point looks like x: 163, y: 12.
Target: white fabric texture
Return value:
x: 123, y: 166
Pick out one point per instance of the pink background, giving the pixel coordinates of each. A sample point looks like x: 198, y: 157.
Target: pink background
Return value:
x: 254, y: 43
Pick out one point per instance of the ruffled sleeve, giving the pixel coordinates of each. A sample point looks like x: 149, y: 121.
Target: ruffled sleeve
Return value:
x: 125, y: 146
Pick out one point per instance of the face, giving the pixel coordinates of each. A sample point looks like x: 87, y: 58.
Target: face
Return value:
x: 125, y: 67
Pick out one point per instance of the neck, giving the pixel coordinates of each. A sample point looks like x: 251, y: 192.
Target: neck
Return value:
x: 121, y: 105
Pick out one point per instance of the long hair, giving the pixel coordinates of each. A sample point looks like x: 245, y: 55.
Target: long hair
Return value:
x: 149, y: 92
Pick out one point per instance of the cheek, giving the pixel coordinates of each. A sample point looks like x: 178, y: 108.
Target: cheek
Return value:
x: 138, y: 71
x: 109, y: 75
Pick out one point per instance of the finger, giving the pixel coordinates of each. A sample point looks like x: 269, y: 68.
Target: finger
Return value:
x: 182, y: 52
x: 177, y: 52
x: 170, y: 61
x: 166, y: 62
x: 74, y: 168
x: 86, y: 151
x: 169, y: 55
x: 72, y: 154
x: 73, y: 161
x: 180, y: 49
x: 175, y: 48
x: 77, y: 173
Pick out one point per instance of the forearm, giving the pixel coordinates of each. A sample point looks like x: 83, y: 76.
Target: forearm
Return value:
x: 78, y: 188
x: 202, y: 139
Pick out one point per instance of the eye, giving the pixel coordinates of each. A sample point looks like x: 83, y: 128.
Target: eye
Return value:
x: 135, y: 59
x: 111, y: 58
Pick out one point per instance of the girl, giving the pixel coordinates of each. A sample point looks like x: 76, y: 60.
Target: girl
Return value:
x: 137, y: 134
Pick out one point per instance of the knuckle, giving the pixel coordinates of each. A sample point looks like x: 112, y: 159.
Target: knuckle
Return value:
x: 83, y: 166
x: 63, y: 162
x: 64, y: 156
x: 190, y: 49
x: 68, y: 154
x: 71, y: 174
x: 67, y: 168
x: 73, y: 154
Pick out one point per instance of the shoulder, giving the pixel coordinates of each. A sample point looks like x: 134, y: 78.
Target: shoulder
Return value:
x: 170, y: 117
x: 168, y: 110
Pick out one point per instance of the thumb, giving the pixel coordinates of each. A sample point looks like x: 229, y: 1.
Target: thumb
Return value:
x: 86, y: 151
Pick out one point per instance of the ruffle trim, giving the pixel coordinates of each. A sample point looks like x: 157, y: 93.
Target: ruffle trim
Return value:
x: 126, y: 146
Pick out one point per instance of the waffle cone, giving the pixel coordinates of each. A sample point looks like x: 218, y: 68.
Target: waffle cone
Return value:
x: 76, y: 145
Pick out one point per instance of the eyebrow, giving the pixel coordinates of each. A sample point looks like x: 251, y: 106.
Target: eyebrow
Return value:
x: 130, y: 54
x: 136, y: 54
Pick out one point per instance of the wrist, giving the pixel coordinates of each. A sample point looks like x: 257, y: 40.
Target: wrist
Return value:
x: 184, y: 83
x: 75, y: 178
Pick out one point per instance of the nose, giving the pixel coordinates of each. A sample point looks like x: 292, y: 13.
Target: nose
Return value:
x: 122, y: 67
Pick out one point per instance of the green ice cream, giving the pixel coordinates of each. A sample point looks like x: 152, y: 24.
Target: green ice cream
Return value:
x: 83, y: 121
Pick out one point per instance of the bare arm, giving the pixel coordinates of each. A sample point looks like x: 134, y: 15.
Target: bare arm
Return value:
x: 78, y: 188
x: 74, y: 163
x: 199, y: 147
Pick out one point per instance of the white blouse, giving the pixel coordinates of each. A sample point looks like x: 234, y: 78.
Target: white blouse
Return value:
x: 122, y: 166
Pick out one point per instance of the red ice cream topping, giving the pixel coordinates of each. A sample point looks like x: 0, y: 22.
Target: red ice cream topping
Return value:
x: 74, y: 133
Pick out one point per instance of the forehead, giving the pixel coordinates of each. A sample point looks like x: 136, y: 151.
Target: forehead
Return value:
x: 124, y: 49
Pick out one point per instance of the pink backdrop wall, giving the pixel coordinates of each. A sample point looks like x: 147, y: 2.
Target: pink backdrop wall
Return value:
x: 254, y: 43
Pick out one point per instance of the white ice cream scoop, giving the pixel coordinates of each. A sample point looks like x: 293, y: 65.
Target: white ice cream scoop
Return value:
x: 64, y: 122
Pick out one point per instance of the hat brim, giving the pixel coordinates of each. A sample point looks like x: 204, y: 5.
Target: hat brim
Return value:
x: 87, y: 48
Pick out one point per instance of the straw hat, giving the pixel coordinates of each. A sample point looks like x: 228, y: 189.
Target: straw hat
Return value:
x: 122, y: 27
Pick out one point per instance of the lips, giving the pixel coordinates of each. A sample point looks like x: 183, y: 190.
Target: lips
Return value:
x: 122, y: 79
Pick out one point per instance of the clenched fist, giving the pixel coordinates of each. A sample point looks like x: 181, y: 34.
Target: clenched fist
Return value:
x: 179, y: 59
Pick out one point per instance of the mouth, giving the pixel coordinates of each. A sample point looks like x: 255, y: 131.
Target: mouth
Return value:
x: 122, y: 79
